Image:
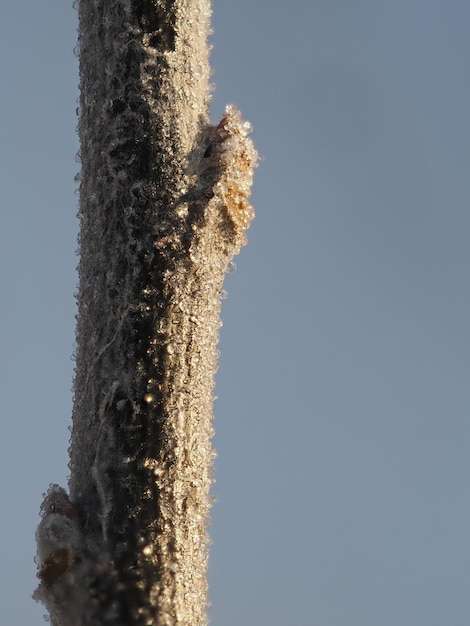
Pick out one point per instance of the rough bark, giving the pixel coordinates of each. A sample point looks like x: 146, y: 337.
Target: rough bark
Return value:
x: 163, y: 209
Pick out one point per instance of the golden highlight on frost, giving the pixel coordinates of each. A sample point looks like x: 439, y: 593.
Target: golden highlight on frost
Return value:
x: 237, y: 156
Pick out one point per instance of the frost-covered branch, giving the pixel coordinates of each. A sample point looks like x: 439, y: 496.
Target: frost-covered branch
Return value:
x: 163, y: 209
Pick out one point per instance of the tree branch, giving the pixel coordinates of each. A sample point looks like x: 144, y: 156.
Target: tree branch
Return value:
x: 163, y: 209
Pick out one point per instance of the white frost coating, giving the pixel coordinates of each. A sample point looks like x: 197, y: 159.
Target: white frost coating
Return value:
x: 163, y: 208
x: 238, y: 158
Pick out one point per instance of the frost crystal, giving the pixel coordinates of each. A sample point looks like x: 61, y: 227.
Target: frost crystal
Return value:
x: 58, y: 536
x: 234, y: 153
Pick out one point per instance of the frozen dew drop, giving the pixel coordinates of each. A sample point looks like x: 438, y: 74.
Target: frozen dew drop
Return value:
x: 148, y: 550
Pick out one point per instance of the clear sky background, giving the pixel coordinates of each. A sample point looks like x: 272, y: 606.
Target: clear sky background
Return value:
x: 343, y: 430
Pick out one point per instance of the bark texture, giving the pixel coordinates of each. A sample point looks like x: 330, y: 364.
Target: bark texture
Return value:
x: 163, y: 209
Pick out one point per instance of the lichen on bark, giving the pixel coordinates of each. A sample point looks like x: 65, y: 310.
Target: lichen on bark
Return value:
x: 163, y: 210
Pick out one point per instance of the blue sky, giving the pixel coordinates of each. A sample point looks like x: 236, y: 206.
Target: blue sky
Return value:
x: 342, y: 421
